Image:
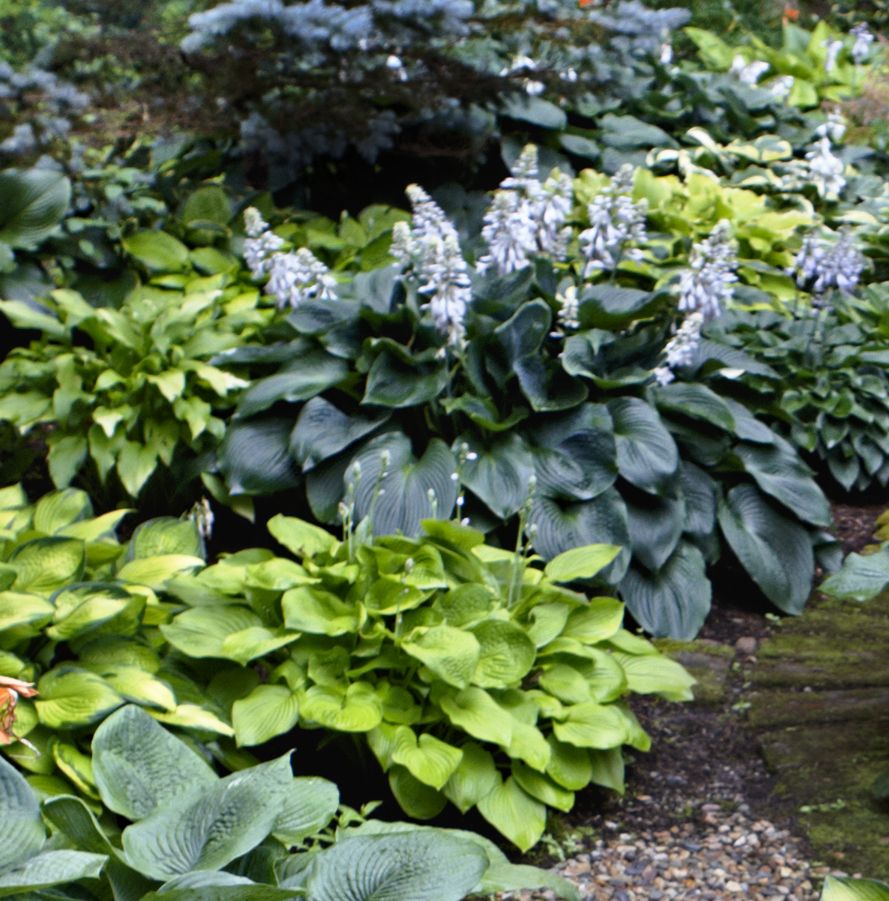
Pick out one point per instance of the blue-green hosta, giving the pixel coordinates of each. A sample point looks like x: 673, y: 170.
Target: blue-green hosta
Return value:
x: 474, y: 674
x: 546, y: 370
x: 182, y: 832
x: 79, y: 615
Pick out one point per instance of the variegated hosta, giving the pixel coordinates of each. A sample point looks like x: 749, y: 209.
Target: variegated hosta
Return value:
x: 475, y: 674
x: 78, y: 616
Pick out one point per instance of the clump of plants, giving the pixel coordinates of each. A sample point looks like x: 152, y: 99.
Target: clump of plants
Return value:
x: 473, y: 673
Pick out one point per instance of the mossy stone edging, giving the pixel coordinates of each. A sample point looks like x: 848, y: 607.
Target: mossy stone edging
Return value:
x: 819, y: 705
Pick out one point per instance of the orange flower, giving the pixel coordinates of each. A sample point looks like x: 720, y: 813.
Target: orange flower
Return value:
x: 791, y: 14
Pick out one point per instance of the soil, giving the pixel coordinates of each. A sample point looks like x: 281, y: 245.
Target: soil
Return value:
x: 707, y: 750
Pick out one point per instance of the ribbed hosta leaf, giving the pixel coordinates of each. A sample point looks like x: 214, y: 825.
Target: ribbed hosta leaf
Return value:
x: 217, y: 887
x: 308, y: 805
x: 322, y: 431
x: 202, y: 631
x: 33, y: 204
x: 655, y: 524
x: 208, y: 829
x: 357, y: 709
x: 499, y: 473
x: 452, y: 654
x: 414, y: 489
x: 268, y: 711
x: 410, y: 866
x: 427, y: 758
x: 675, y: 600
x: 591, y: 725
x: 21, y: 832
x: 515, y: 814
x: 774, y: 549
x: 506, y: 654
x: 646, y: 453
x: 139, y: 766
x: 51, y: 868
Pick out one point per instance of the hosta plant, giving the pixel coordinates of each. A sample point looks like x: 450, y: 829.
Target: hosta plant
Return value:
x: 183, y: 832
x: 122, y: 393
x: 537, y: 348
x: 845, y: 888
x: 79, y: 613
x: 473, y: 673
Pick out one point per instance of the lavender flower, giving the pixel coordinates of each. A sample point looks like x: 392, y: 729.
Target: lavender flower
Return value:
x: 748, y: 73
x: 833, y: 127
x: 833, y: 48
x: 825, y: 169
x: 431, y: 248
x: 825, y: 264
x: 526, y: 217
x: 781, y: 86
x: 706, y: 285
x: 616, y: 221
x: 261, y: 243
x: 863, y: 39
x: 569, y: 308
x: 299, y: 276
x: 681, y: 349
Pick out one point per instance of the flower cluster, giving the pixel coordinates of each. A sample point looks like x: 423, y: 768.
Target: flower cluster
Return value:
x: 706, y: 285
x: 825, y: 169
x: 832, y: 48
x: 748, y: 73
x: 526, y: 217
x: 293, y: 277
x: 431, y: 248
x: 680, y: 350
x: 569, y: 308
x: 616, y: 221
x: 863, y: 39
x: 824, y: 264
x: 833, y: 127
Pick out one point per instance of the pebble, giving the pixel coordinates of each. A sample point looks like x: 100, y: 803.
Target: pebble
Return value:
x: 715, y: 854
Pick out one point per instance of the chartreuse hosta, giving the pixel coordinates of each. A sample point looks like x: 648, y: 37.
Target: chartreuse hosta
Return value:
x: 475, y: 675
x: 79, y: 613
x: 128, y: 391
x: 182, y: 833
x: 846, y: 889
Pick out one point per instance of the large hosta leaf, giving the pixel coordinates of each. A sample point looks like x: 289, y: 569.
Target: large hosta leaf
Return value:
x: 357, y: 709
x: 313, y: 373
x: 203, y: 631
x: 322, y: 431
x: 307, y: 806
x: 506, y: 654
x: 562, y: 526
x: 255, y: 457
x: 775, y: 550
x: 861, y: 577
x: 32, y: 204
x: 646, y: 453
x: 140, y: 767
x: 514, y: 813
x: 74, y: 697
x: 656, y: 524
x: 427, y: 758
x: 787, y: 479
x: 221, y: 886
x: 392, y: 382
x: 51, y: 868
x: 452, y: 654
x: 410, y: 866
x: 499, y: 472
x: 208, y: 829
x: 846, y: 889
x: 696, y: 401
x: 21, y: 832
x: 414, y: 489
x: 268, y: 711
x: 673, y: 601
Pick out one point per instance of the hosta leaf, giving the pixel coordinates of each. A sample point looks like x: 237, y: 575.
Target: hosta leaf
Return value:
x: 156, y: 571
x: 646, y: 453
x: 71, y: 698
x: 21, y: 831
x: 301, y: 538
x: 591, y: 725
x: 774, y: 549
x: 268, y: 711
x: 202, y: 631
x: 451, y: 653
x: 568, y: 765
x: 322, y: 431
x: 656, y: 525
x: 61, y: 508
x: 860, y: 578
x: 253, y: 642
x: 506, y: 654
x: 218, y: 886
x: 157, y: 251
x: 427, y: 758
x: 499, y: 473
x: 45, y: 564
x: 209, y: 829
x: 315, y: 372
x: 255, y: 457
x: 18, y: 610
x: 308, y: 805
x: 580, y: 562
x: 319, y: 612
x: 476, y: 775
x: 415, y: 489
x: 846, y: 889
x: 696, y: 401
x: 139, y: 767
x: 477, y: 713
x: 515, y: 814
x: 357, y: 709
x: 543, y: 789
x: 51, y: 868
x: 607, y: 768
x: 656, y: 674
x: 597, y: 621
x: 392, y: 382
x: 564, y: 526
x: 84, y: 608
x: 408, y: 866
x: 675, y: 600
x: 784, y: 477
x: 134, y: 684
x: 164, y: 535
x: 416, y: 799
x: 34, y: 203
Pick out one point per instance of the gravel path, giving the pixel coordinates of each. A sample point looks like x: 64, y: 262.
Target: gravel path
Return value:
x: 715, y: 854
